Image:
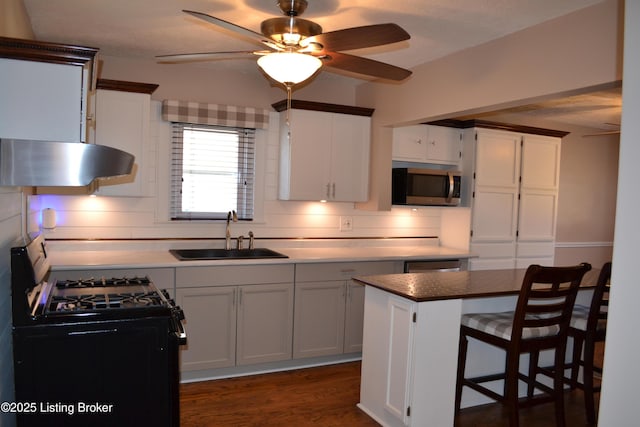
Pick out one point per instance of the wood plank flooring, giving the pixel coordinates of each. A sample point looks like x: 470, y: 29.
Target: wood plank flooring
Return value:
x: 325, y: 396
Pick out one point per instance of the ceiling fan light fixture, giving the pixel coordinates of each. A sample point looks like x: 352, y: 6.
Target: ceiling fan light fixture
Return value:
x: 289, y: 68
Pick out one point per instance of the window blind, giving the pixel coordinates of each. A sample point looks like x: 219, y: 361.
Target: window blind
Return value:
x: 212, y: 172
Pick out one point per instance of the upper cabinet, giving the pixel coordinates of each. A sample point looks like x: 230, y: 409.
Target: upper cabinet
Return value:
x: 512, y: 187
x: 122, y: 122
x: 427, y: 144
x: 324, y: 152
x: 45, y: 90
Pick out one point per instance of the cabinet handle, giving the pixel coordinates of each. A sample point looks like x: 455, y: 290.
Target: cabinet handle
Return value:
x: 328, y: 190
x: 333, y: 191
x: 239, y: 297
x: 419, y: 141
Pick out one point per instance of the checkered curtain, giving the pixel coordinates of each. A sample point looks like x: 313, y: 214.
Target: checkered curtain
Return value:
x: 214, y: 114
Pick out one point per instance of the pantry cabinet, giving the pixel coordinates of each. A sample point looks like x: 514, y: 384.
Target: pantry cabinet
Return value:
x: 512, y: 188
x: 235, y: 316
x: 45, y: 90
x: 324, y: 155
x: 122, y: 122
x: 427, y: 144
x: 329, y: 306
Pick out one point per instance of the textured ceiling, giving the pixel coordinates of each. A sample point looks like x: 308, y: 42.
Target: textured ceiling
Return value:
x: 146, y: 28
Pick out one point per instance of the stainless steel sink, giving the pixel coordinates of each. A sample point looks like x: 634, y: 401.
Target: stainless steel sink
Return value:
x: 216, y: 254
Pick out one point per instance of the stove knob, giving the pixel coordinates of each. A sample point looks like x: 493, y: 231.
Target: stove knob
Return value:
x: 179, y: 312
x: 165, y: 293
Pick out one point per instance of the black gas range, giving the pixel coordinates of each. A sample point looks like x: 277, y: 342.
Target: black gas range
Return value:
x: 99, y: 351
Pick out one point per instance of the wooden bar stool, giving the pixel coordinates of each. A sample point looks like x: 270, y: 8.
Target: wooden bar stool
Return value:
x: 587, y: 327
x: 539, y: 322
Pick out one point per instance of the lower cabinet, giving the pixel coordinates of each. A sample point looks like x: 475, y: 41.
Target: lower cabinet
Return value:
x: 235, y: 316
x: 329, y: 307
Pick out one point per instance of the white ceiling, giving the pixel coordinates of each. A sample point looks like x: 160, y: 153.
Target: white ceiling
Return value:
x: 146, y: 28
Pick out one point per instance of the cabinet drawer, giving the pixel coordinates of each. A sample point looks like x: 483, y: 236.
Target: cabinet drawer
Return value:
x: 341, y: 270
x: 233, y: 275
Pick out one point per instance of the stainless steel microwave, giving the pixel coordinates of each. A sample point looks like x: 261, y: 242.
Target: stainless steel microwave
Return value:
x: 425, y: 187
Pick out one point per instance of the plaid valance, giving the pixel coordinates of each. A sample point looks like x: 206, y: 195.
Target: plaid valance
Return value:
x: 214, y: 114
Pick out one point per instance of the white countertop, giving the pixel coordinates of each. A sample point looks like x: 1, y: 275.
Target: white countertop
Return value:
x: 123, y: 258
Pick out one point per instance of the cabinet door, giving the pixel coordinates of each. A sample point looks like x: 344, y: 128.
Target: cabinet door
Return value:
x: 42, y: 101
x: 319, y: 319
x: 495, y: 195
x: 497, y: 159
x: 410, y: 143
x: 354, y: 318
x: 210, y: 320
x: 265, y: 323
x: 122, y: 122
x: 306, y: 154
x: 540, y: 163
x: 443, y: 145
x: 350, y: 158
x: 400, y: 361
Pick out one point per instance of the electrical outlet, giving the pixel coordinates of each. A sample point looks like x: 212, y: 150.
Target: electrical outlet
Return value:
x: 346, y: 223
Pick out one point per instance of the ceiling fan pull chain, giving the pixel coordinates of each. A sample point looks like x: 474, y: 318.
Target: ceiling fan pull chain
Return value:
x: 288, y: 86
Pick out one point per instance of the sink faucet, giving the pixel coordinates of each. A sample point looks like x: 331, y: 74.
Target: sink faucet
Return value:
x: 251, y: 240
x: 230, y: 216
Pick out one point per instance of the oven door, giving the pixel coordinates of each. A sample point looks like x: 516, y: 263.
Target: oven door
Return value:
x: 112, y: 373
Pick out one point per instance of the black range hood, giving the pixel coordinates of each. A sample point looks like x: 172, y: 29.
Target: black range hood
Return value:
x: 59, y: 164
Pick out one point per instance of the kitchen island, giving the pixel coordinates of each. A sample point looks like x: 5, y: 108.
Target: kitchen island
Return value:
x: 410, y: 340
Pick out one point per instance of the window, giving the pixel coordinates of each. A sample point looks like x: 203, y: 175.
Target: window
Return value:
x: 212, y: 172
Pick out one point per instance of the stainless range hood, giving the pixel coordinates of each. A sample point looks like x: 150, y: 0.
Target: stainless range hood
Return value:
x: 59, y: 164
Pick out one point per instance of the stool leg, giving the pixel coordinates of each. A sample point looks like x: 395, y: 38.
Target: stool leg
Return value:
x: 588, y: 379
x: 462, y: 359
x: 576, y: 359
x: 511, y: 387
x: 558, y: 385
x: 533, y: 369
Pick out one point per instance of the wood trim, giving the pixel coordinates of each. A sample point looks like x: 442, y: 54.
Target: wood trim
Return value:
x: 321, y: 106
x: 465, y: 124
x: 34, y: 50
x: 124, y: 86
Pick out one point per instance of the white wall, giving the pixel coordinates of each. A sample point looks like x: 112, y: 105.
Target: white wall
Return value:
x: 85, y: 217
x: 618, y: 403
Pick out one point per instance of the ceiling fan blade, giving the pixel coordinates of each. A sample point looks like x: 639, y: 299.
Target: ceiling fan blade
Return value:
x: 611, y: 132
x: 206, y: 56
x: 257, y: 37
x: 369, y: 67
x: 360, y: 37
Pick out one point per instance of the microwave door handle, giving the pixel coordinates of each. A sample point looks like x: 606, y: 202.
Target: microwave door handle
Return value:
x: 450, y: 192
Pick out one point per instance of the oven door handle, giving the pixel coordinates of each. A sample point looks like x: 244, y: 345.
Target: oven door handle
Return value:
x: 179, y: 331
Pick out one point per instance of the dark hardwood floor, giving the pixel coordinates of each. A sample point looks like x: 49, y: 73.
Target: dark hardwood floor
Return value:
x: 327, y: 397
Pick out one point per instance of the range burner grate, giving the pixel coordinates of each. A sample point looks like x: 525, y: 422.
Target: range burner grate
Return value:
x: 75, y: 303
x: 102, y: 282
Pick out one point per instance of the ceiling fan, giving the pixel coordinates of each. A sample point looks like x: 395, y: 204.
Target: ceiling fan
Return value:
x: 608, y: 132
x: 295, y: 44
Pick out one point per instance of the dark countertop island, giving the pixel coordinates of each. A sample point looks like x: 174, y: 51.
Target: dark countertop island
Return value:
x: 435, y: 286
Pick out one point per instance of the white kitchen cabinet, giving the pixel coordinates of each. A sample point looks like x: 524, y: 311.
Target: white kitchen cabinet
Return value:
x: 235, y: 316
x: 427, y: 144
x: 44, y: 89
x: 329, y: 307
x: 324, y: 156
x: 210, y: 321
x: 122, y: 122
x: 512, y: 187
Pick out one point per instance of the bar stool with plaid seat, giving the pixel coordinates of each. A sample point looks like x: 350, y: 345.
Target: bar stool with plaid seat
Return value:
x: 587, y: 327
x: 539, y: 322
